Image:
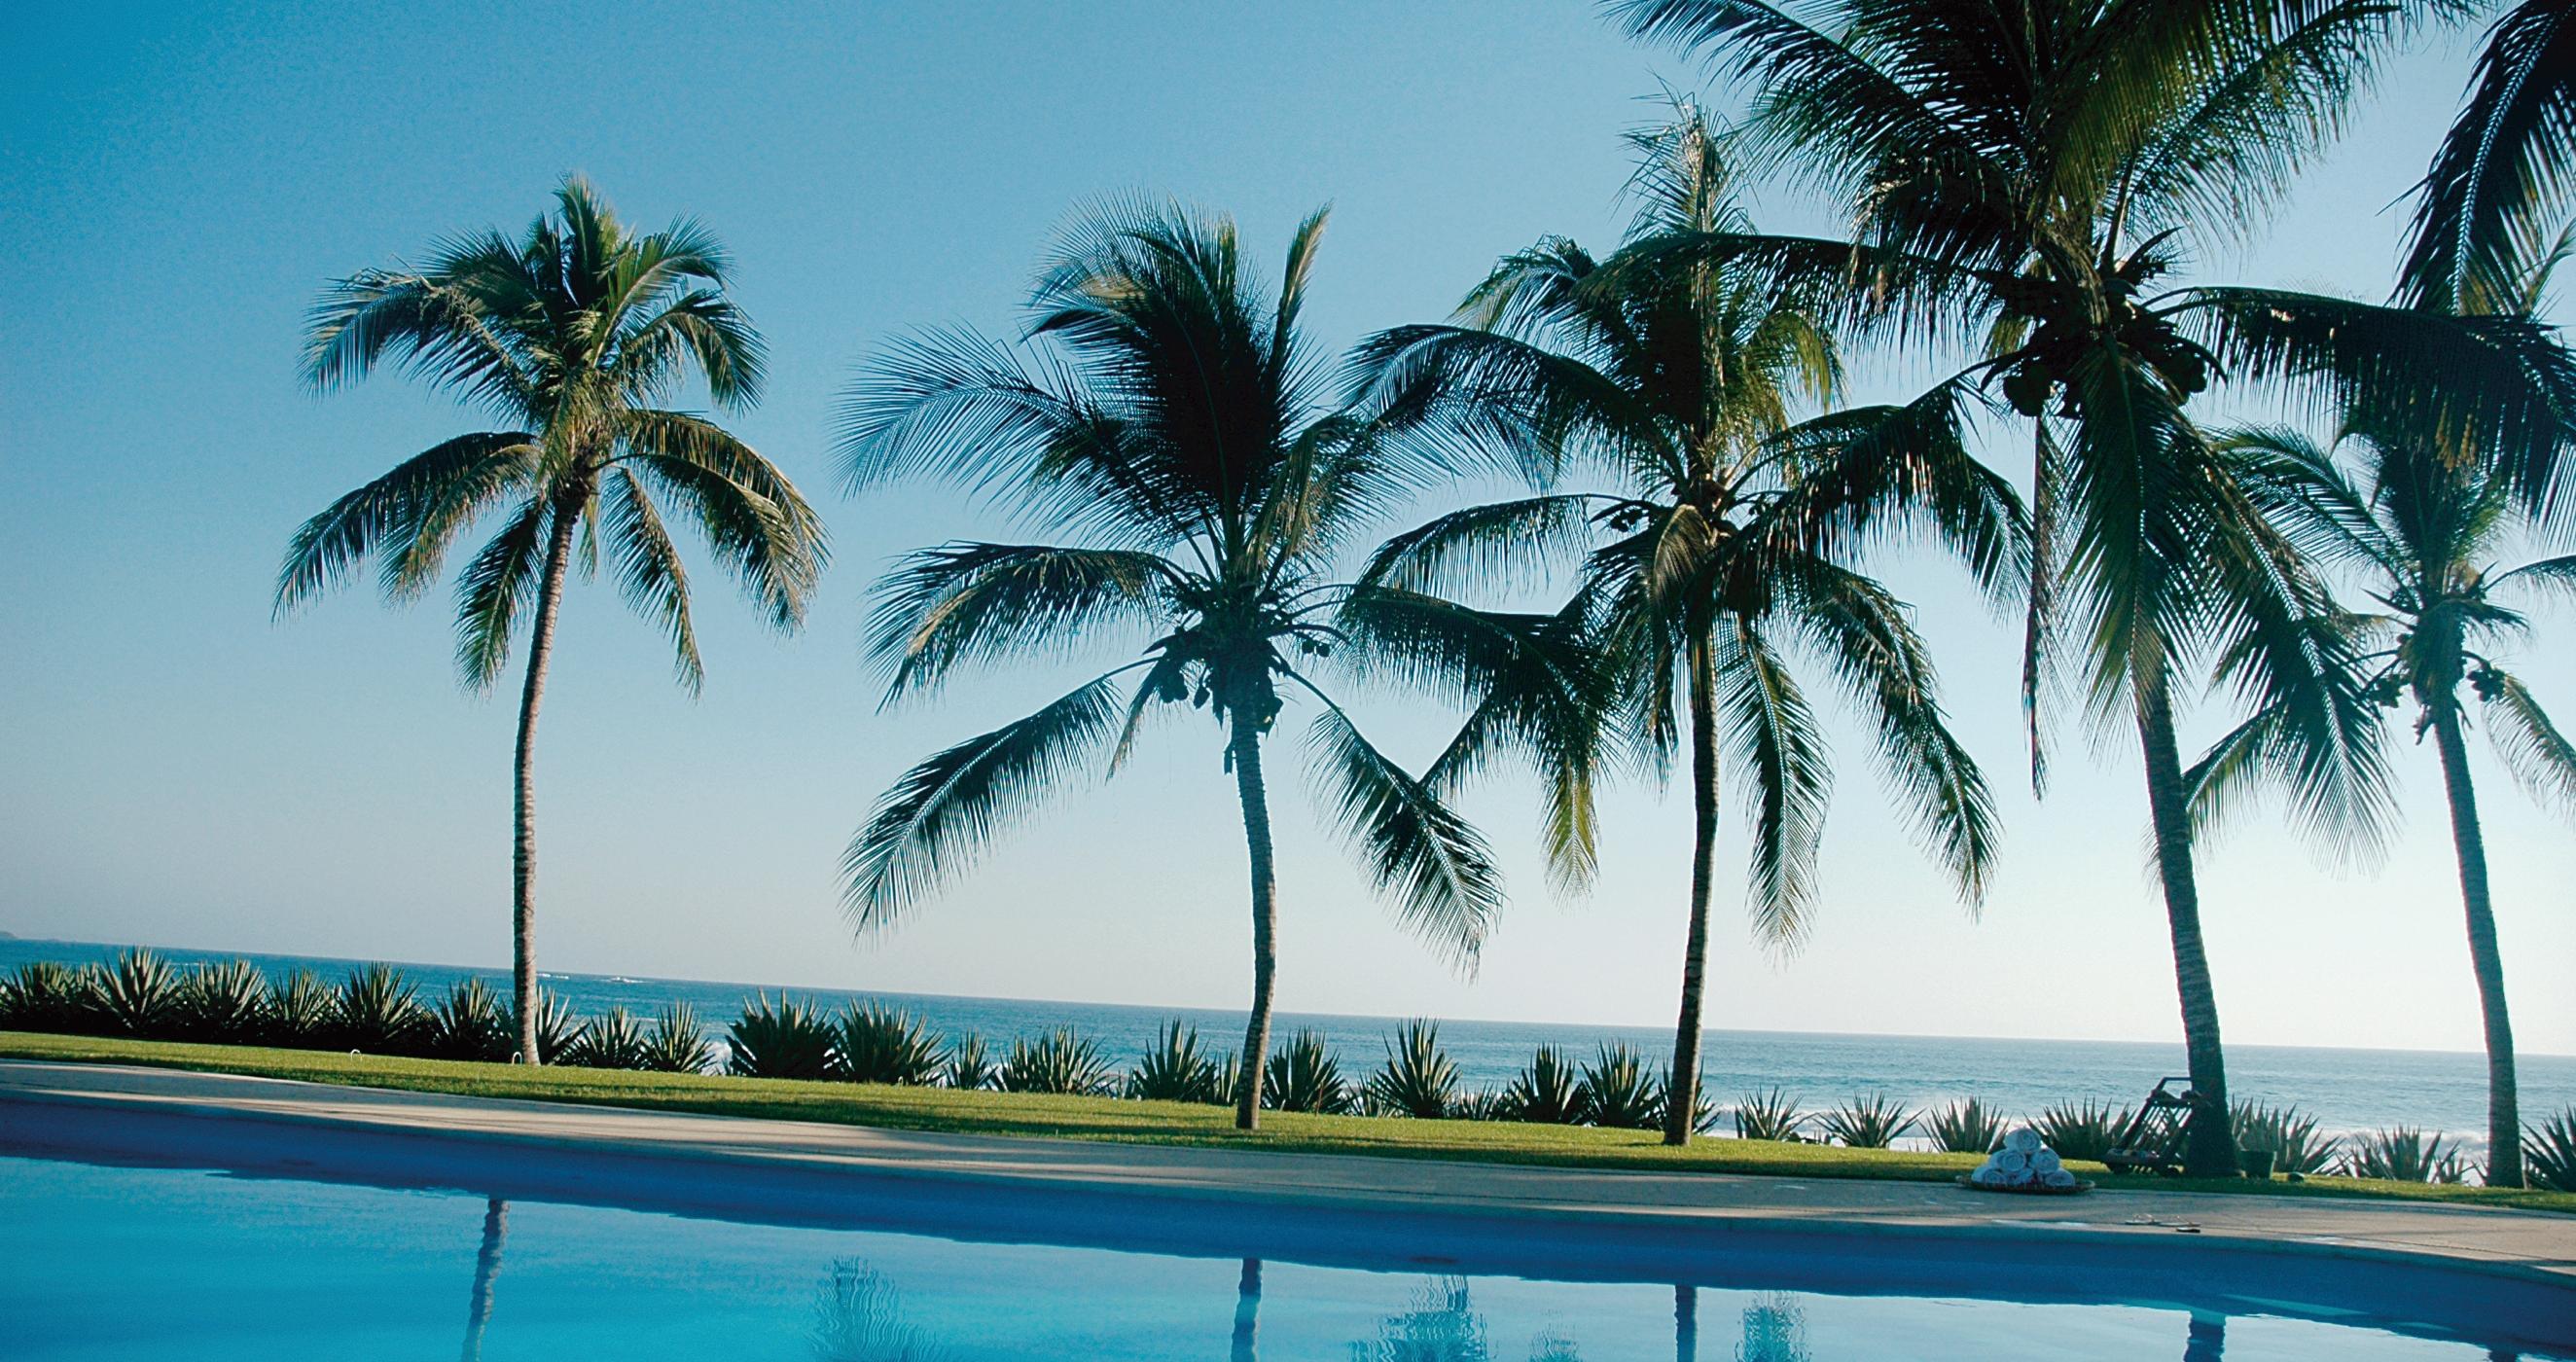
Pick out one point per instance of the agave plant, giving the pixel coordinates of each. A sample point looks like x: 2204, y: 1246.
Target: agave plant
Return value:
x: 612, y: 1040
x: 2290, y: 1136
x: 1229, y: 1079
x: 970, y: 1065
x: 884, y: 1045
x: 1872, y: 1122
x: 1304, y: 1076
x: 44, y: 996
x: 1620, y: 1091
x: 1418, y: 1078
x: 2084, y: 1131
x: 2402, y: 1154
x: 678, y: 1044
x: 1548, y: 1090
x: 2549, y: 1153
x: 790, y: 1040
x: 1703, y: 1108
x: 1772, y: 1115
x: 225, y: 1002
x: 300, y: 1011
x: 470, y: 1023
x: 1483, y: 1104
x: 1060, y: 1061
x: 1967, y: 1126
x: 136, y: 995
x: 1175, y: 1070
x: 378, y: 1011
x: 558, y: 1028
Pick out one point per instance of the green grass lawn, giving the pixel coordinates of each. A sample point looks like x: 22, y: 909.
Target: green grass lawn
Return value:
x: 1171, y: 1123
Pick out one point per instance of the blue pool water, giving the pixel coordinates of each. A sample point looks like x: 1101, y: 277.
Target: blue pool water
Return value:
x: 113, y: 1262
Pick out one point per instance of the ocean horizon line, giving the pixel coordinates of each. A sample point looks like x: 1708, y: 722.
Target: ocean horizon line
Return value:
x: 751, y: 988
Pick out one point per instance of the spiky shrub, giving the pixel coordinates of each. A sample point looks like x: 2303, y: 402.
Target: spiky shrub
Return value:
x: 224, y: 1003
x: 300, y: 1012
x: 1060, y: 1061
x: 1229, y: 1076
x: 1967, y: 1126
x: 612, y: 1040
x: 883, y: 1045
x: 1175, y: 1070
x: 2549, y: 1152
x: 471, y: 1023
x: 678, y: 1044
x: 1547, y: 1090
x: 2083, y: 1131
x: 1482, y: 1104
x: 1872, y: 1122
x: 2290, y: 1135
x: 1620, y: 1091
x: 1418, y: 1079
x: 1772, y: 1115
x: 1303, y: 1076
x: 44, y: 996
x: 1703, y: 1107
x: 789, y: 1040
x: 378, y: 1011
x: 559, y: 1028
x: 2402, y: 1154
x: 137, y: 994
x: 970, y: 1064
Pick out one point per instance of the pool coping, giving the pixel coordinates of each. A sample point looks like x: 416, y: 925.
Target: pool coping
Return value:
x: 2536, y: 1248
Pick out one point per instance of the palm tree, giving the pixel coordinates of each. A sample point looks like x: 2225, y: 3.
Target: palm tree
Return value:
x: 2501, y: 179
x: 571, y: 337
x: 1727, y: 537
x: 2425, y: 528
x: 2021, y: 174
x: 1172, y: 422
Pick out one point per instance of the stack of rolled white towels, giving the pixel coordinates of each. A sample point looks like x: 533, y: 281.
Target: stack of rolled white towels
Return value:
x: 2024, y: 1161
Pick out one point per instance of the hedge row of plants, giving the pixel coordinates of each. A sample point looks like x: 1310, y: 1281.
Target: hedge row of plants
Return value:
x: 376, y: 1010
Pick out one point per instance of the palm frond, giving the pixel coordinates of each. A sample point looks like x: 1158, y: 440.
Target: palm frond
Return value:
x: 953, y: 805
x: 1435, y: 866
x: 754, y: 518
x: 411, y: 514
x: 1769, y: 737
x: 976, y: 602
x: 2500, y: 180
x: 496, y: 587
x: 1862, y: 631
x: 2506, y: 382
x: 649, y: 571
x: 2541, y: 758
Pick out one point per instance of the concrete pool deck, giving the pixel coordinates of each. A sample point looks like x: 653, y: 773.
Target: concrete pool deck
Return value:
x: 2536, y: 1247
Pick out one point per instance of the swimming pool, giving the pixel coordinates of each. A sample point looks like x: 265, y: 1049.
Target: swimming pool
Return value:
x: 500, y: 1252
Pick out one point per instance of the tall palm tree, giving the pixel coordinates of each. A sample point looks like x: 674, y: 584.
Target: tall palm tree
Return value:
x: 2425, y: 529
x: 2020, y: 175
x: 1167, y: 413
x: 572, y: 337
x: 2505, y: 175
x: 1727, y: 536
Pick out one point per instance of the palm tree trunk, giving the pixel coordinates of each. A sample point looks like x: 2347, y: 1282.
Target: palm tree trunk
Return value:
x: 523, y: 810
x: 1681, y: 1090
x: 487, y: 1268
x: 1265, y: 918
x: 2504, y: 1102
x: 2211, y: 1149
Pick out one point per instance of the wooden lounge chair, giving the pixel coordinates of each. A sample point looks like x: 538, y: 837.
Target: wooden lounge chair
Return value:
x: 2158, y: 1135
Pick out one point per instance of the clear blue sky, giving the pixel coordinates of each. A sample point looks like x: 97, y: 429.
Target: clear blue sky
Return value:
x: 178, y: 183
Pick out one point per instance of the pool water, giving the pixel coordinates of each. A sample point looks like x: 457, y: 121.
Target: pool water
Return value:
x: 126, y: 1262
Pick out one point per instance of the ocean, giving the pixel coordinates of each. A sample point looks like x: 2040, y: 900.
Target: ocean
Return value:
x: 2346, y: 1090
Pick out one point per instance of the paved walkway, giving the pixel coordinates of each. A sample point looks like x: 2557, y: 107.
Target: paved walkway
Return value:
x: 2523, y: 1244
